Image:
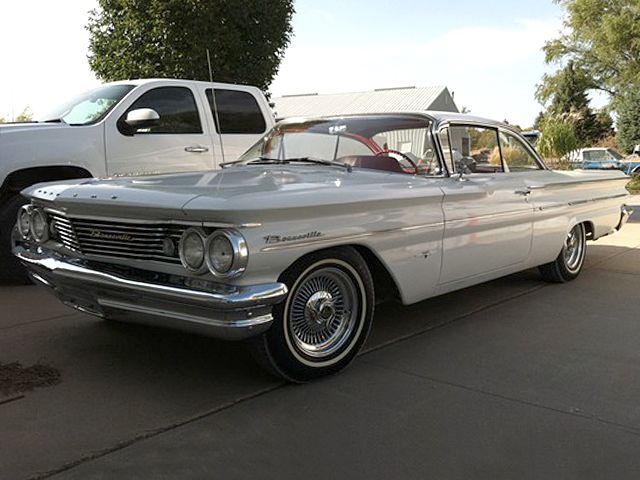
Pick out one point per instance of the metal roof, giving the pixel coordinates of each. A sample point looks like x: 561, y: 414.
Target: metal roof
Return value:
x: 405, y: 99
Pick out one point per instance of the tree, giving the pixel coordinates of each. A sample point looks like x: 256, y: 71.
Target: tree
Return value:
x: 558, y: 138
x: 628, y: 109
x: 602, y: 37
x: 25, y: 116
x: 169, y: 39
x: 566, y: 95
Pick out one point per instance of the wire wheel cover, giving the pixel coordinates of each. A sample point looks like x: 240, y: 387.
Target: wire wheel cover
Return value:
x: 323, y: 312
x: 573, y: 248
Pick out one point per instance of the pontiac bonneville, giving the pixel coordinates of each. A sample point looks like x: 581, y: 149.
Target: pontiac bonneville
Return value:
x: 291, y: 247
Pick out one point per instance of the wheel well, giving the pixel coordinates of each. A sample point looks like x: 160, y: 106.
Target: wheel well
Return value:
x: 589, y: 230
x: 21, y: 179
x: 385, y: 286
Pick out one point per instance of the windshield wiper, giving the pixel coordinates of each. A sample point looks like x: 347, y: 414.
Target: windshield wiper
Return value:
x: 317, y: 161
x: 53, y: 120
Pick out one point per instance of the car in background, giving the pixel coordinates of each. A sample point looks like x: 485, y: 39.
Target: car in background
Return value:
x: 532, y: 136
x: 596, y: 158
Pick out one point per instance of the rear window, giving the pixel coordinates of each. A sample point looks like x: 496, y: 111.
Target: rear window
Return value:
x: 238, y: 112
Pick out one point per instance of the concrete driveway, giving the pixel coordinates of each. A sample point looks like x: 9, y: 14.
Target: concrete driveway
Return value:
x: 511, y: 379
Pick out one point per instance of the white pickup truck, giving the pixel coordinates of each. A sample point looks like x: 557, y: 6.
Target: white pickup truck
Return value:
x: 136, y: 127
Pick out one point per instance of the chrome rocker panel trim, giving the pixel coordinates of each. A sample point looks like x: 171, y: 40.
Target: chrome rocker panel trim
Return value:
x: 224, y: 311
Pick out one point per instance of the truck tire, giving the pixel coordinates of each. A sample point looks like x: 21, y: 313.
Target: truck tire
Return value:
x: 11, y: 271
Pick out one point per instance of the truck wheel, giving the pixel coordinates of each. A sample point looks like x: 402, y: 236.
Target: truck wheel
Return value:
x: 570, y: 260
x: 325, y: 319
x: 11, y: 271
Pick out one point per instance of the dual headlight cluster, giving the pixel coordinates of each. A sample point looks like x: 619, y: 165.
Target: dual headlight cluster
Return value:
x: 224, y: 252
x: 33, y: 223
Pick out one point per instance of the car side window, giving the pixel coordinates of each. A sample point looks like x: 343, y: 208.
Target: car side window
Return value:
x: 474, y: 149
x: 238, y: 112
x: 176, y: 107
x: 515, y: 154
x: 443, y: 135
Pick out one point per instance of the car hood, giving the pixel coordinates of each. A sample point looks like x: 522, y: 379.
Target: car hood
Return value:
x: 11, y: 128
x: 234, y: 194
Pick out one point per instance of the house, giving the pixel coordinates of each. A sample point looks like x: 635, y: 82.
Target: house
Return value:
x: 401, y: 99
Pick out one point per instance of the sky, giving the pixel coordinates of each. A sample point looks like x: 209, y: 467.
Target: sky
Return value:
x: 487, y: 53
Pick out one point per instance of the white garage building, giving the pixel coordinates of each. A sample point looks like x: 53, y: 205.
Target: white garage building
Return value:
x: 401, y: 99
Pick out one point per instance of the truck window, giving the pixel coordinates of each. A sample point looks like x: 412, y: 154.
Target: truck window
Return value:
x: 176, y: 107
x: 238, y: 112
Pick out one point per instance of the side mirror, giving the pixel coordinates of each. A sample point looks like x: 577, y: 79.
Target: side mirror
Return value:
x: 142, y: 118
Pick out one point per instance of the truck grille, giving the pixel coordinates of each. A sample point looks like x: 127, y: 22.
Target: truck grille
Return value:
x: 119, y: 239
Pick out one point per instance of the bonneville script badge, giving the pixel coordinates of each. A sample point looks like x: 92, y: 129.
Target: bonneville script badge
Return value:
x: 270, y: 239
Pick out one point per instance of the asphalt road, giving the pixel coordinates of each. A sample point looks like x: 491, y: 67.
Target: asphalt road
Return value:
x: 511, y: 379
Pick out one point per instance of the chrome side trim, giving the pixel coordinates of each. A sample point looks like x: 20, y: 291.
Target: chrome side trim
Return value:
x: 355, y: 236
x: 576, y: 182
x: 526, y: 211
x: 597, y: 199
x: 154, y: 221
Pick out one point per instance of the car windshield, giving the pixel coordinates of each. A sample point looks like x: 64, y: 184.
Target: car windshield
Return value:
x: 393, y: 143
x: 88, y: 107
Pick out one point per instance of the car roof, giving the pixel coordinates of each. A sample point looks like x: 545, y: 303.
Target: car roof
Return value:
x: 436, y: 116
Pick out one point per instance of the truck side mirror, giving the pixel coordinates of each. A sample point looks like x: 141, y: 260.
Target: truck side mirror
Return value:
x: 141, y: 118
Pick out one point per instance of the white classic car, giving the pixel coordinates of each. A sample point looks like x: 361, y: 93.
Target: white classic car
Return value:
x: 292, y: 246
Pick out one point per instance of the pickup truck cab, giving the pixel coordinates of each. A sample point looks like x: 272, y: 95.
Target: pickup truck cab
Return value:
x: 133, y: 127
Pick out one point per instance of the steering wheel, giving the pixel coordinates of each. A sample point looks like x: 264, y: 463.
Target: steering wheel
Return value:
x: 404, y: 157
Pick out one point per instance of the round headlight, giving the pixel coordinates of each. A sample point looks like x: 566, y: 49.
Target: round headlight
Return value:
x: 227, y: 253
x: 39, y: 226
x: 220, y: 254
x: 24, y: 221
x: 192, y: 247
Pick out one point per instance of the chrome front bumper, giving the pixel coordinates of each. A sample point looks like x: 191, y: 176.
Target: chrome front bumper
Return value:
x: 218, y: 310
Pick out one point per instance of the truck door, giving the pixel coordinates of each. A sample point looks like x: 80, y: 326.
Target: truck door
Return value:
x: 242, y: 122
x: 180, y: 141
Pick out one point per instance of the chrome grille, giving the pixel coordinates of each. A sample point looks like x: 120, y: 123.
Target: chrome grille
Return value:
x: 64, y: 231
x: 120, y: 239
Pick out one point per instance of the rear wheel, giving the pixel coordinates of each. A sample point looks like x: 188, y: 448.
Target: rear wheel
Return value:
x: 11, y: 271
x: 570, y: 261
x: 324, y: 321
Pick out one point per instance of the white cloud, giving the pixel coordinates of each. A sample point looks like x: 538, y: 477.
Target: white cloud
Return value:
x: 484, y: 65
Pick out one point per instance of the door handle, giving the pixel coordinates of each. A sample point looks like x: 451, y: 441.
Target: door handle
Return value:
x: 523, y: 192
x: 196, y: 149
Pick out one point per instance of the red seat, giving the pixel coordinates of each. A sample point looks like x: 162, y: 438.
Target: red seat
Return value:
x: 374, y: 162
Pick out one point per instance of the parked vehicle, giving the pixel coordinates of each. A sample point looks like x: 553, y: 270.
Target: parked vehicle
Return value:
x: 292, y: 246
x: 532, y: 136
x: 596, y: 158
x: 133, y: 127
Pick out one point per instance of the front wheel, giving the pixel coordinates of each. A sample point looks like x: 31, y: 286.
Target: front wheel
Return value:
x: 11, y: 271
x: 324, y: 321
x: 570, y: 261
